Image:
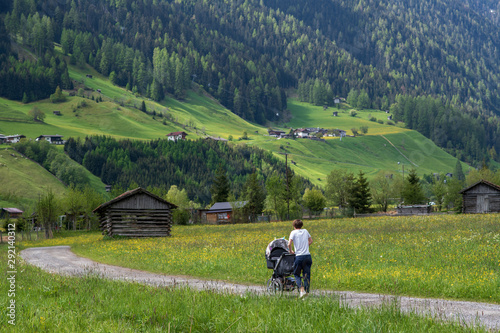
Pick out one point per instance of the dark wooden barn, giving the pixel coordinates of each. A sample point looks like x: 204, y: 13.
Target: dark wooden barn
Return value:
x: 481, y: 197
x: 136, y: 213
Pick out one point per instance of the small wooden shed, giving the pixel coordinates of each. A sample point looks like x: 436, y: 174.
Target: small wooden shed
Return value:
x: 222, y: 212
x: 12, y: 213
x: 136, y: 213
x: 481, y: 197
x: 414, y: 210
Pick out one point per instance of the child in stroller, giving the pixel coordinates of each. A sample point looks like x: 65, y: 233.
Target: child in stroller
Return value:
x: 280, y: 260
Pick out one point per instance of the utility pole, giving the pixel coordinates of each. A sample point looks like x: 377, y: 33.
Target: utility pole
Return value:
x: 403, y: 184
x: 287, y: 186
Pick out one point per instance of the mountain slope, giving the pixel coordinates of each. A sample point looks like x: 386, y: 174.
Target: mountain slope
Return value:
x: 23, y: 180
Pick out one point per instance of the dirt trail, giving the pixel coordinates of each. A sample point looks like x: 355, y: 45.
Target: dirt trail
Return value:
x: 60, y: 260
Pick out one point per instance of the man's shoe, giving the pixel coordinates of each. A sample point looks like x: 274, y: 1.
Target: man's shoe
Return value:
x: 302, y: 294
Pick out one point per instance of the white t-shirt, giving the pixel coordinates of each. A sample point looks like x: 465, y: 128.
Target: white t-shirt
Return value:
x: 300, y: 240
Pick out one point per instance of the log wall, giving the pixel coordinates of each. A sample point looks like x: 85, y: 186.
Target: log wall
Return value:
x: 136, y: 222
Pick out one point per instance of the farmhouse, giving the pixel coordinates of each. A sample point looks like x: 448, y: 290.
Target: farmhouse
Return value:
x: 56, y: 113
x: 215, y: 138
x: 136, y: 213
x: 481, y: 197
x: 3, y: 138
x: 301, y: 133
x: 176, y: 136
x: 52, y: 139
x: 222, y: 212
x: 15, y: 138
x: 12, y: 213
x: 276, y: 133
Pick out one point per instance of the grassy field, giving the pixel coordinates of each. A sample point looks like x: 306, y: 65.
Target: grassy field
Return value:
x: 442, y: 256
x: 51, y: 303
x: 377, y: 151
x: 23, y: 180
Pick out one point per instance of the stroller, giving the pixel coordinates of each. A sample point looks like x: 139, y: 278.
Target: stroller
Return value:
x: 281, y: 262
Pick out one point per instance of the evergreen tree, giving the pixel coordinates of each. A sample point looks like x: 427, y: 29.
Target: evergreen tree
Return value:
x: 361, y: 199
x: 412, y: 190
x: 220, y: 186
x: 352, y: 98
x: 57, y: 96
x: 459, y: 173
x: 255, y: 196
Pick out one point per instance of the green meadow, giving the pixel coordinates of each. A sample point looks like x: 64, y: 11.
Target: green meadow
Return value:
x: 52, y: 303
x: 451, y: 257
x: 438, y: 256
x: 23, y: 180
x: 199, y: 115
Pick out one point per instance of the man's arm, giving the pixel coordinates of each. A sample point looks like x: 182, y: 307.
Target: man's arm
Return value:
x: 290, y: 246
x: 310, y: 240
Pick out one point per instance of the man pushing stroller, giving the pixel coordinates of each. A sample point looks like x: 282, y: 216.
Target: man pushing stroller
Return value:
x: 301, y: 240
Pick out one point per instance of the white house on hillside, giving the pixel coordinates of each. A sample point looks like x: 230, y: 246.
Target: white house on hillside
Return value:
x: 52, y: 139
x: 176, y: 136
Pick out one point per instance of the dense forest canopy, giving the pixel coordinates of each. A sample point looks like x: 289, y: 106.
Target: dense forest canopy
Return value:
x: 191, y: 165
x: 247, y: 54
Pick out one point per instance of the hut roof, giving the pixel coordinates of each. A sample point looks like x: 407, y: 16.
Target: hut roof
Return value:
x: 13, y: 210
x: 130, y: 193
x: 226, y: 206
x: 482, y: 181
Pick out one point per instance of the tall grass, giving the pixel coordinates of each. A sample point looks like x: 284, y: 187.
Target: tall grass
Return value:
x: 456, y: 257
x: 53, y: 303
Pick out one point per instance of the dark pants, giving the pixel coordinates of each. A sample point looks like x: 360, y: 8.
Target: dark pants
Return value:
x: 303, y: 265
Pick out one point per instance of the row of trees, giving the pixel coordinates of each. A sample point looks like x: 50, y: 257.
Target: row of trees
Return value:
x: 189, y: 164
x: 55, y: 161
x: 77, y: 205
x: 469, y: 138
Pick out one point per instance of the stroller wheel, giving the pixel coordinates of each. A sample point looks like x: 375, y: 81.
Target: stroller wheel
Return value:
x: 274, y: 286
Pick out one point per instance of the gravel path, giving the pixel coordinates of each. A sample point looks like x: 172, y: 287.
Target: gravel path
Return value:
x: 60, y: 260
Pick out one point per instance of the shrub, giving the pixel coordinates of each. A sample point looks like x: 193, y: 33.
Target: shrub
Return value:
x: 180, y: 216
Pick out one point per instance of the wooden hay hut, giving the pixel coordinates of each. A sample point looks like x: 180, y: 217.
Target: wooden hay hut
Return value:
x: 481, y: 197
x: 414, y: 210
x: 136, y: 213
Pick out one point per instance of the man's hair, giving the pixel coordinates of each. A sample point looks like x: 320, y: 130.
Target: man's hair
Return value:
x: 297, y: 224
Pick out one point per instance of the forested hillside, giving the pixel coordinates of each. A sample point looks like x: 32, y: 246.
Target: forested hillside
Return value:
x: 190, y: 164
x: 247, y: 54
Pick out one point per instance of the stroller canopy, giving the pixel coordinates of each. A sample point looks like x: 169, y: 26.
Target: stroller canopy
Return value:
x: 281, y: 243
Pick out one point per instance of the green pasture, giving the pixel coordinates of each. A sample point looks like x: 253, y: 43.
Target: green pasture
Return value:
x: 23, y: 181
x: 307, y: 115
x: 52, y: 303
x: 371, y: 154
x: 438, y: 256
x: 199, y: 115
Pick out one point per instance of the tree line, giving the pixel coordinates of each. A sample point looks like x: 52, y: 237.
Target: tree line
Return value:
x: 190, y: 164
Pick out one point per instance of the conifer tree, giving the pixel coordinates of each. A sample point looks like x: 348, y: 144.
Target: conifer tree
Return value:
x: 361, y: 198
x: 254, y: 194
x: 459, y: 173
x: 412, y: 191
x: 220, y: 187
